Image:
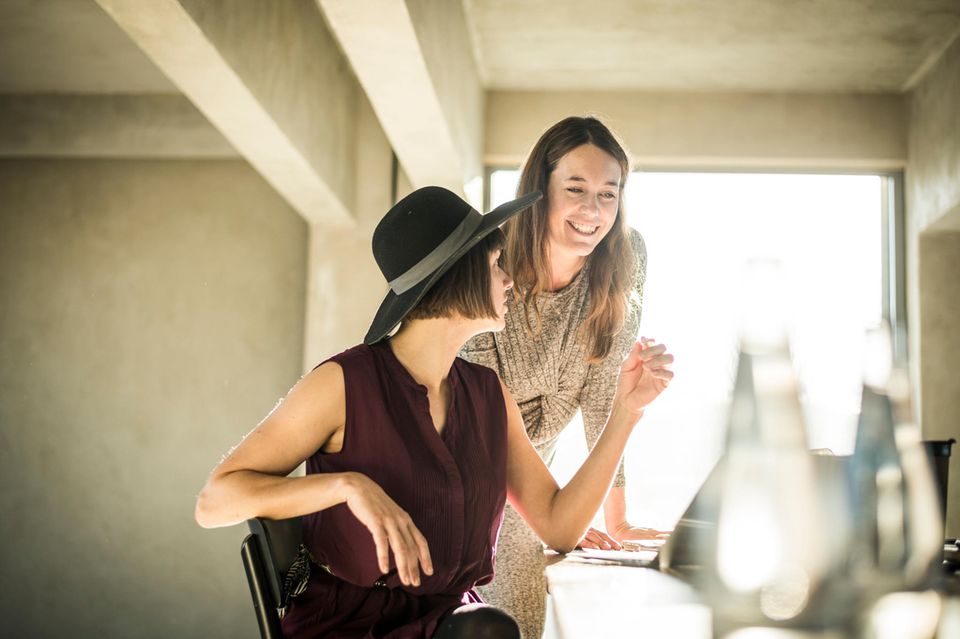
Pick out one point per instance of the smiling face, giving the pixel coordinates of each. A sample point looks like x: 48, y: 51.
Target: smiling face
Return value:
x: 583, y: 196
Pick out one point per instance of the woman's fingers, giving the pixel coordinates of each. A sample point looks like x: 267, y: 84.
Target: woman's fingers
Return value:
x: 382, y: 544
x: 405, y: 567
x: 404, y: 554
x: 662, y: 373
x: 423, y: 549
x: 599, y: 540
x: 661, y: 360
x: 410, y: 550
x: 393, y: 531
x: 652, y: 352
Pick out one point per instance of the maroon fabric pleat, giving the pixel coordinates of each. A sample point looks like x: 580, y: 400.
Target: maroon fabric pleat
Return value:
x: 452, y: 484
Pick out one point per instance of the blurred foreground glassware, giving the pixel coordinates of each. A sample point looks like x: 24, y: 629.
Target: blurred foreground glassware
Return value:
x: 780, y: 537
x: 897, y: 517
x: 759, y: 552
x: 782, y: 529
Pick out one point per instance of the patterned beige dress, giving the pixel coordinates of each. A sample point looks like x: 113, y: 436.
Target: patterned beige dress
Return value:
x: 549, y: 377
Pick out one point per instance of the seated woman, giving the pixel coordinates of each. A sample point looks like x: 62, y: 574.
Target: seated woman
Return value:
x: 411, y: 451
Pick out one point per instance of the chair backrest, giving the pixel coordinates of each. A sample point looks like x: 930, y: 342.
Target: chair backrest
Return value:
x: 267, y: 553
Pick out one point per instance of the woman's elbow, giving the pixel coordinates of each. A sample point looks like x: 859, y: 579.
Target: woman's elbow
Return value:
x: 562, y: 544
x: 205, y: 511
x: 564, y: 548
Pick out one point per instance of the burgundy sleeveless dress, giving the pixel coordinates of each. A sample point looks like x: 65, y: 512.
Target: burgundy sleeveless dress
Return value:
x: 452, y: 484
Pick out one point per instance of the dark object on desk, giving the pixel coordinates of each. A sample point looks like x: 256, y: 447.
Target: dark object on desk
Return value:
x: 694, y: 536
x: 939, y: 453
x: 267, y: 553
x: 951, y: 552
x: 691, y: 552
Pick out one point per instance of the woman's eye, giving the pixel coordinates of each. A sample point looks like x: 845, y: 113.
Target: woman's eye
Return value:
x: 574, y: 189
x: 610, y: 196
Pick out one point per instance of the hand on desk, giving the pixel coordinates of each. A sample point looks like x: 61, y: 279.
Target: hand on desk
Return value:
x: 625, y: 531
x: 599, y: 540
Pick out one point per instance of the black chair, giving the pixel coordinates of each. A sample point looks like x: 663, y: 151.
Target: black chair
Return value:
x: 268, y: 552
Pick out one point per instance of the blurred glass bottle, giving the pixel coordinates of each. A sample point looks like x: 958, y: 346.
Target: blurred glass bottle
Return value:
x: 897, y: 522
x: 766, y: 557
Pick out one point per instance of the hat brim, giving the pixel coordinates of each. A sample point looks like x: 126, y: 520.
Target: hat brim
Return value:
x: 395, y: 307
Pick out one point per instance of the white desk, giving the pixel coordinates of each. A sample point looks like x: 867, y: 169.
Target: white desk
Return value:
x: 592, y: 601
x: 596, y: 601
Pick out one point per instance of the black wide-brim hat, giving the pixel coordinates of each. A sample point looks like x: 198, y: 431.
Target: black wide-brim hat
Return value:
x: 420, y: 238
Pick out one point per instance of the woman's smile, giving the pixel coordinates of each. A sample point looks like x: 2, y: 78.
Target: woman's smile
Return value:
x: 583, y: 229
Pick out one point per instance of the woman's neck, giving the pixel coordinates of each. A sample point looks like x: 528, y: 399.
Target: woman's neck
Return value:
x: 563, y: 268
x: 427, y: 348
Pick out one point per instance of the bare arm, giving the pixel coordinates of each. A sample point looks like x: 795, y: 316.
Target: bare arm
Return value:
x: 596, y: 396
x: 560, y: 516
x: 252, y: 480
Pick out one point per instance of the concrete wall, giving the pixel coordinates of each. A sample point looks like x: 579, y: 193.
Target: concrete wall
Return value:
x: 345, y: 286
x: 151, y: 312
x: 823, y: 131
x: 933, y: 255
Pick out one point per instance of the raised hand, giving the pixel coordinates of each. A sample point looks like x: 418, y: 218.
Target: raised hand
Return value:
x: 392, y: 530
x: 644, y: 374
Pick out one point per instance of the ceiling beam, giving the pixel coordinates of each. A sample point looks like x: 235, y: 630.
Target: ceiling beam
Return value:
x: 415, y: 62
x: 107, y: 126
x: 269, y: 76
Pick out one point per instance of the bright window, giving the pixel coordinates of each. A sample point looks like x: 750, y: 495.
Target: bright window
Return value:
x: 702, y: 230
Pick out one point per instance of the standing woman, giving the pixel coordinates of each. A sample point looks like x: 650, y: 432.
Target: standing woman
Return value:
x: 579, y: 272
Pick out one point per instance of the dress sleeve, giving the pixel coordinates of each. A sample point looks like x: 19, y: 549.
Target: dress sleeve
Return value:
x: 596, y: 398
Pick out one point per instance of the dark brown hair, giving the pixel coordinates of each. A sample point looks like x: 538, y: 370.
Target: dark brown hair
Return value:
x: 612, y: 265
x: 465, y: 288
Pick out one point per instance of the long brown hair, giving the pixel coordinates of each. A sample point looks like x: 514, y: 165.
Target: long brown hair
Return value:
x: 612, y: 265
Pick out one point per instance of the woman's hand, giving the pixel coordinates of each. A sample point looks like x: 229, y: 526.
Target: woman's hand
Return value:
x: 392, y: 529
x: 599, y: 540
x: 644, y: 374
x: 626, y: 532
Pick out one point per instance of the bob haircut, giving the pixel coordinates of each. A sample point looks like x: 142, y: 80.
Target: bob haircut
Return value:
x: 612, y: 264
x: 465, y: 288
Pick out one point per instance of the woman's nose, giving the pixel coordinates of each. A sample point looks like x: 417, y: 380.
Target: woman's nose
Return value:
x: 592, y: 207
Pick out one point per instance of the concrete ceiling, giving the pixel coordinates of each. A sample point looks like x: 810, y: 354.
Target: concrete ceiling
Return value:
x: 708, y: 45
x: 72, y: 46
x: 260, y: 70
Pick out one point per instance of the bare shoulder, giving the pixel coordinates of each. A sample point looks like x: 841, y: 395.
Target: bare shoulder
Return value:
x: 319, y: 394
x: 325, y: 377
x: 299, y: 425
x: 314, y: 408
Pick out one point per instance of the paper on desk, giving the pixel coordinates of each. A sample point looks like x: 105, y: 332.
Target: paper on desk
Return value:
x: 625, y: 557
